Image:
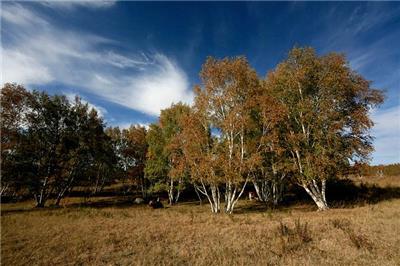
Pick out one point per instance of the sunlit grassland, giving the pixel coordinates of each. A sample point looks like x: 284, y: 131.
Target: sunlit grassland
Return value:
x: 114, y: 231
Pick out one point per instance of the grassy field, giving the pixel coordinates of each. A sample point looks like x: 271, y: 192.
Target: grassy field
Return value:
x: 113, y: 231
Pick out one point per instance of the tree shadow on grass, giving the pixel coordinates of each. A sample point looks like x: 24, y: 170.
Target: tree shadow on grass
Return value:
x: 345, y: 193
x: 20, y: 210
x: 341, y: 193
x: 251, y: 207
x: 304, y: 205
x: 109, y: 202
x: 98, y: 203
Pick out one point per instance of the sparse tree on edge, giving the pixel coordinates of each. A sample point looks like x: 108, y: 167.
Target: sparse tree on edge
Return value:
x: 327, y: 122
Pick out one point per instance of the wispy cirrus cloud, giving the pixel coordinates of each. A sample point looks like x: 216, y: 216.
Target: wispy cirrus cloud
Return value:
x: 35, y: 53
x: 369, y: 46
x: 15, y: 14
x: 364, y: 58
x: 343, y: 30
x: 72, y: 4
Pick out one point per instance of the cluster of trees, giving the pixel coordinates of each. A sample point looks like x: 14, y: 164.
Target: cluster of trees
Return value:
x: 306, y: 122
x: 50, y: 145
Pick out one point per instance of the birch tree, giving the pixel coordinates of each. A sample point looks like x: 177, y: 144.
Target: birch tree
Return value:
x: 43, y: 144
x: 270, y: 176
x: 171, y: 128
x: 136, y: 138
x: 226, y: 102
x: 200, y: 154
x: 164, y: 162
x: 156, y: 168
x: 86, y: 157
x: 327, y: 121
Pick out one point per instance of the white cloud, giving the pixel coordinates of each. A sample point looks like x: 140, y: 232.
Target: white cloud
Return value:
x: 145, y: 125
x: 387, y: 121
x: 71, y: 4
x: 35, y: 52
x: 123, y: 62
x: 23, y: 68
x: 126, y: 125
x: 159, y: 88
x: 387, y: 135
x: 156, y: 87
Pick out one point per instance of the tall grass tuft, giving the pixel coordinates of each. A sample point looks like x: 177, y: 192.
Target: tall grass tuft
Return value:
x: 293, y: 239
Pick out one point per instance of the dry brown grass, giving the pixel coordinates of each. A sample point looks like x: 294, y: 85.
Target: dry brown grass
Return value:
x: 188, y: 234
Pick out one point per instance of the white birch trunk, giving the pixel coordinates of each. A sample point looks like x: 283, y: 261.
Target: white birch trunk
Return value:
x: 269, y: 191
x: 198, y: 194
x: 3, y: 189
x: 215, y: 199
x: 212, y: 194
x: 317, y: 194
x: 41, y: 199
x: 261, y: 187
x: 171, y: 196
x: 232, y: 197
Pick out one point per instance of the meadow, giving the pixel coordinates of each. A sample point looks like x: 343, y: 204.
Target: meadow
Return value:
x: 115, y: 231
x: 191, y: 134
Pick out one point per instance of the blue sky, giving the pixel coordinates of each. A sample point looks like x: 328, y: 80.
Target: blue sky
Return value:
x: 131, y: 59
